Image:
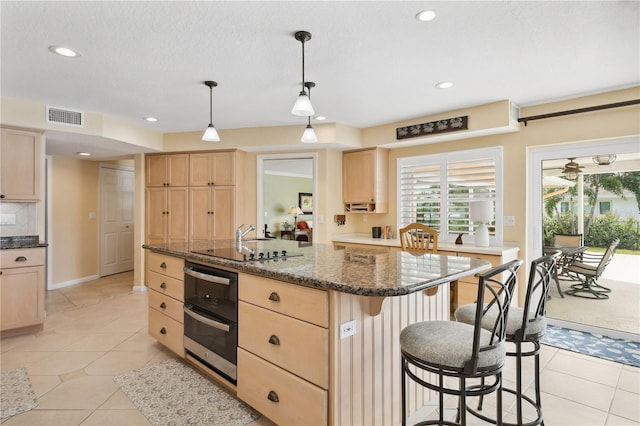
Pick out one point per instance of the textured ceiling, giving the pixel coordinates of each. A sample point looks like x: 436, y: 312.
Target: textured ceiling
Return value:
x: 373, y: 62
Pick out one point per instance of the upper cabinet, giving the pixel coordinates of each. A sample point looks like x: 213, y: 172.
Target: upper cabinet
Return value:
x: 365, y: 175
x: 20, y: 164
x: 212, y: 168
x: 168, y: 170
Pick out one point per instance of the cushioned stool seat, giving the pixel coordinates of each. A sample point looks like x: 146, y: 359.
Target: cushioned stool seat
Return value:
x: 462, y: 351
x: 524, y: 326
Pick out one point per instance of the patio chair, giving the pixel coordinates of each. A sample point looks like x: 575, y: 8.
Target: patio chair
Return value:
x: 587, y: 270
x: 571, y: 247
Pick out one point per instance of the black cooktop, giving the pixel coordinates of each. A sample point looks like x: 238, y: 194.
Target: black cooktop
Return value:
x: 249, y: 250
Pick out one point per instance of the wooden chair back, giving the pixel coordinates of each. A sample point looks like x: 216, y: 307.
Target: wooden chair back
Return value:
x: 419, y: 237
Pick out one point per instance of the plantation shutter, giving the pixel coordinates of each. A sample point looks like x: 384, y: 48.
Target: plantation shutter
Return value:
x: 436, y: 190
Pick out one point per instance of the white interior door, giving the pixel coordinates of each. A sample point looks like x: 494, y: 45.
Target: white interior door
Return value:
x: 116, y: 220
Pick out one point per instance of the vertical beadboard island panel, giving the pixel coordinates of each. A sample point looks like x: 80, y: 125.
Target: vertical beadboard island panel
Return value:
x: 365, y: 368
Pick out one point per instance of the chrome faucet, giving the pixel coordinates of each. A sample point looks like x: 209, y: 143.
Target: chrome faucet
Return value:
x: 240, y: 234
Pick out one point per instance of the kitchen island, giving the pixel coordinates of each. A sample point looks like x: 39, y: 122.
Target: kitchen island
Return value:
x: 341, y: 364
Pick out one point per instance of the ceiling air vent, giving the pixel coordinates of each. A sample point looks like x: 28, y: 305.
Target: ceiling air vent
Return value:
x: 65, y: 116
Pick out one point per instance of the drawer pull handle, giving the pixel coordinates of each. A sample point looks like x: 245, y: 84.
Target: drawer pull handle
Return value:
x: 163, y: 265
x: 163, y: 330
x: 274, y: 296
x: 273, y: 397
x: 163, y: 305
x: 274, y: 340
x: 21, y: 259
x: 163, y: 286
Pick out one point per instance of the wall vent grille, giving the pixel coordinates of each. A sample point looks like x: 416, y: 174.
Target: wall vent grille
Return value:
x: 65, y: 116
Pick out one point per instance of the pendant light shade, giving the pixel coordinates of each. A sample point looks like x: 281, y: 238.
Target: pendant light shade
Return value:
x: 303, y: 106
x: 211, y: 134
x: 309, y: 135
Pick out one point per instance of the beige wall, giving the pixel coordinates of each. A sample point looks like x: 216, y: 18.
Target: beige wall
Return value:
x: 74, y: 236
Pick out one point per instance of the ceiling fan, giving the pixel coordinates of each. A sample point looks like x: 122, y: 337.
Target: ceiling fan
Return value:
x: 570, y: 169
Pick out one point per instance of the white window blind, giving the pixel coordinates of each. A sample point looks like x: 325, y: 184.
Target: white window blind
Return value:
x: 436, y: 190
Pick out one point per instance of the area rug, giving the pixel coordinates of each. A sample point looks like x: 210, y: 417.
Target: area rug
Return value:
x: 16, y: 393
x: 617, y: 350
x: 173, y: 393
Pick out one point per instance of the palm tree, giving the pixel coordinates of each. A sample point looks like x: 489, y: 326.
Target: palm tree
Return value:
x: 593, y: 184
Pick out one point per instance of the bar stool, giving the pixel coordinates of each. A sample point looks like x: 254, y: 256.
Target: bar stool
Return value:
x: 459, y: 350
x: 524, y: 326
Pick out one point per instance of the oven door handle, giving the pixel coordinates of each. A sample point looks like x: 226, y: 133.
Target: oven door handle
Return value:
x: 207, y: 277
x: 205, y: 320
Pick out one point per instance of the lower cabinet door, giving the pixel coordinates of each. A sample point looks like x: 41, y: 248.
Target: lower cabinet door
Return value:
x: 282, y: 397
x: 21, y: 297
x: 167, y: 331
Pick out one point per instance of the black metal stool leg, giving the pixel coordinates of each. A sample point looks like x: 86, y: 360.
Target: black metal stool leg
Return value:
x: 403, y: 385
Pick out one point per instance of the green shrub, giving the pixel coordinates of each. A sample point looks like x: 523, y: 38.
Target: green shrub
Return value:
x: 602, y: 231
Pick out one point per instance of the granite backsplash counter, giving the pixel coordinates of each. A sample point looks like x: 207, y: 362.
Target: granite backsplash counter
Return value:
x: 21, y: 242
x: 360, y: 271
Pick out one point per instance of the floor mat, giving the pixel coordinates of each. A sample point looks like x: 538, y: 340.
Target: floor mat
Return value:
x: 16, y: 393
x: 618, y: 350
x: 173, y: 393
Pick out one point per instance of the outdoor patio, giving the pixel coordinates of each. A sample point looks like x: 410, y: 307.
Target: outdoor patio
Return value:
x: 621, y: 312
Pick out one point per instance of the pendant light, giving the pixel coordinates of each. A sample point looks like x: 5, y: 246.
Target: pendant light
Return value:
x: 303, y: 106
x: 211, y: 134
x: 309, y: 135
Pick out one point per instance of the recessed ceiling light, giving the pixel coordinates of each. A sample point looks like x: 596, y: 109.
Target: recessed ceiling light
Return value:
x: 320, y: 118
x: 84, y: 154
x: 444, y: 85
x: 152, y: 119
x: 426, y: 15
x: 64, y: 51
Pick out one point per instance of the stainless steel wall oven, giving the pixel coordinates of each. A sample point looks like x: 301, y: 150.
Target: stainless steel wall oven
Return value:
x: 211, y: 317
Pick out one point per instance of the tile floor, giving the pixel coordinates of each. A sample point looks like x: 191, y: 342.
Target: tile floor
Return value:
x: 97, y: 330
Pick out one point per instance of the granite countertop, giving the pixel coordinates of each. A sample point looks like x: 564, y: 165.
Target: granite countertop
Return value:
x: 361, y: 271
x: 467, y: 247
x: 20, y: 242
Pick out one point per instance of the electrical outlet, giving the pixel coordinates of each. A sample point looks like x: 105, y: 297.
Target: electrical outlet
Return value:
x: 347, y: 329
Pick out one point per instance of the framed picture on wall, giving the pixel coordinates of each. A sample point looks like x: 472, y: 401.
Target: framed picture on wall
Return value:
x: 305, y: 201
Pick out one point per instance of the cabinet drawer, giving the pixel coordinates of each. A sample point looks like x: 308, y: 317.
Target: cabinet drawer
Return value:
x: 166, y: 285
x: 166, y: 265
x: 296, y: 346
x: 167, y: 331
x: 298, y: 402
x: 305, y: 303
x: 166, y: 305
x: 19, y: 258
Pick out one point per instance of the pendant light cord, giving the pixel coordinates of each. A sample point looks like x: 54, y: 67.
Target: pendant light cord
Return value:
x: 303, y: 66
x: 210, y: 105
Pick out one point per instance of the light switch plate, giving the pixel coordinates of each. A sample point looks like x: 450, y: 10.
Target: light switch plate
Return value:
x: 509, y: 221
x: 7, y: 219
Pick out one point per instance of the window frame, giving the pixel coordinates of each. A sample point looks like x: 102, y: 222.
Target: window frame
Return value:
x: 443, y: 159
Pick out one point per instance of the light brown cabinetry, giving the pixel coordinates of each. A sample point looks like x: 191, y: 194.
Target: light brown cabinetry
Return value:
x: 20, y: 164
x: 283, y: 353
x: 465, y: 290
x: 365, y: 180
x: 22, y: 289
x: 167, y: 170
x: 167, y: 214
x: 212, y: 168
x: 212, y: 213
x: 165, y: 279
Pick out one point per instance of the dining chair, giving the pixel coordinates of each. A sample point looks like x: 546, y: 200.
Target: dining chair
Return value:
x: 456, y: 350
x: 419, y: 237
x: 587, y: 270
x: 525, y: 326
